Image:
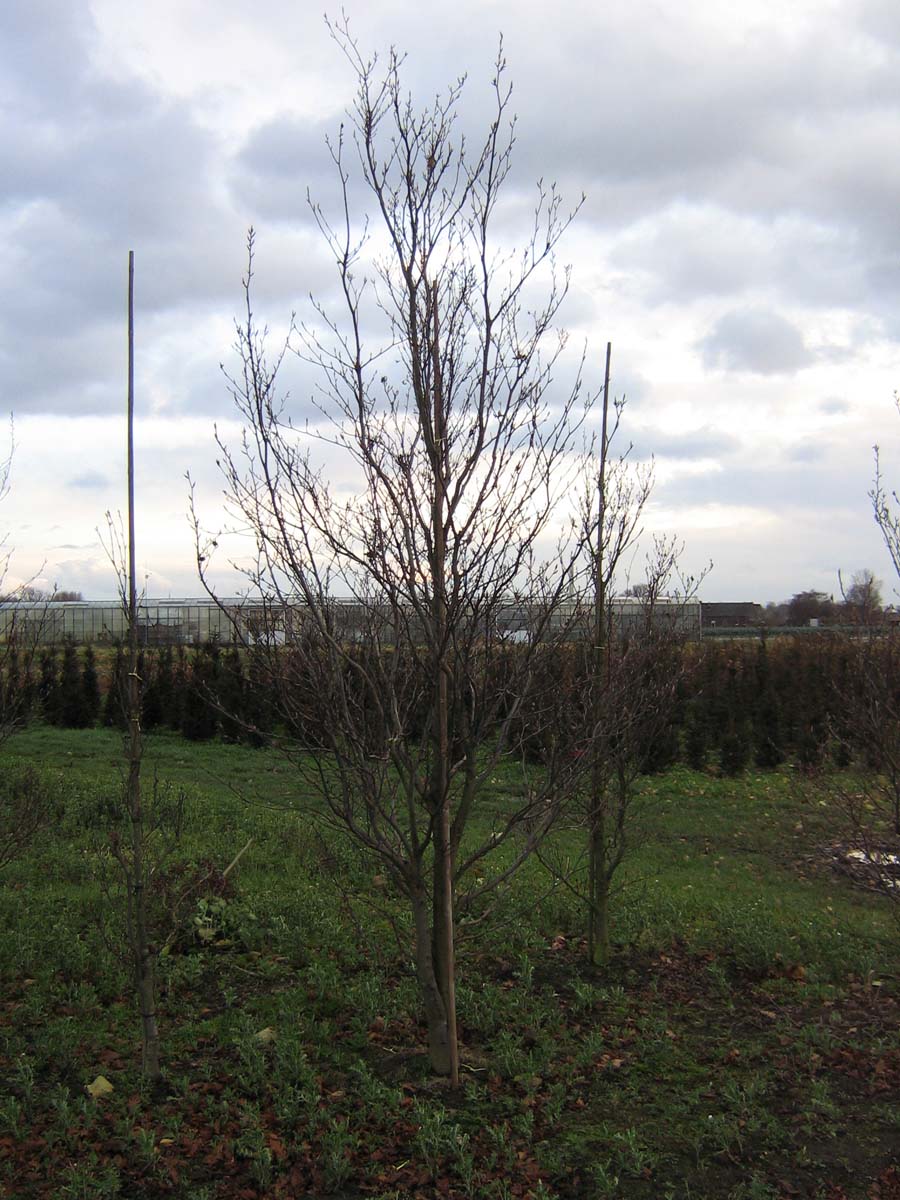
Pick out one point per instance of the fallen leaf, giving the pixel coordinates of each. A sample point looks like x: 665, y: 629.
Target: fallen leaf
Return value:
x: 266, y: 1036
x: 276, y: 1145
x: 99, y: 1088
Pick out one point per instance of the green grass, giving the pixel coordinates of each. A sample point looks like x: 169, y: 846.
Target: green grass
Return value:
x: 743, y: 1043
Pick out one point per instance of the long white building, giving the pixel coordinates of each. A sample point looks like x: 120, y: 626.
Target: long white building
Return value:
x: 190, y: 620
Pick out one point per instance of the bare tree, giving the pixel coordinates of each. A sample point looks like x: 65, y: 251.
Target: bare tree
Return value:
x: 623, y: 691
x: 865, y: 725
x: 869, y: 720
x: 613, y: 531
x: 457, y: 574
x: 131, y: 850
x: 876, y: 715
x: 623, y: 702
x: 884, y: 507
x: 866, y: 720
x: 33, y: 594
x: 634, y: 688
x: 862, y: 597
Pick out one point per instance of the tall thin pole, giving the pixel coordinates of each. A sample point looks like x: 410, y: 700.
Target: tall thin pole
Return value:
x: 598, y: 929
x: 132, y: 588
x: 601, y: 497
x: 141, y: 947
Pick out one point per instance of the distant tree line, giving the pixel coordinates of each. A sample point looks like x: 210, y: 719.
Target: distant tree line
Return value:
x: 860, y: 602
x: 34, y: 595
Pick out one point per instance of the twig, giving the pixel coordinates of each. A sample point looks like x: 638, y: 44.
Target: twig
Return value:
x: 237, y: 858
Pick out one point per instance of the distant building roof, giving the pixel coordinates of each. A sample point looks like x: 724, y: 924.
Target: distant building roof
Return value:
x: 731, y: 612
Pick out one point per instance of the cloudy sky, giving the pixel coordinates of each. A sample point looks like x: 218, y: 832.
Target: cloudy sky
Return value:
x: 739, y: 245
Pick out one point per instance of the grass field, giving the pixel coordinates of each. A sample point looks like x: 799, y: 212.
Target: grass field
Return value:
x: 745, y: 1043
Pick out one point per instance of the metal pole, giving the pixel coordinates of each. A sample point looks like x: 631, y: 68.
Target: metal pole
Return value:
x: 132, y: 591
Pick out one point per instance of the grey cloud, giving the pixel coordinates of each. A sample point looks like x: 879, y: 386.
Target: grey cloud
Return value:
x: 694, y: 251
x: 829, y: 480
x: 696, y: 444
x: 808, y: 451
x: 54, y: 370
x: 45, y: 40
x: 89, y: 481
x: 834, y: 407
x: 691, y: 252
x: 93, y: 577
x: 628, y: 384
x: 207, y: 389
x: 90, y: 168
x: 790, y: 135
x: 762, y: 343
x: 881, y: 19
x: 283, y: 161
x: 679, y: 102
x: 760, y: 159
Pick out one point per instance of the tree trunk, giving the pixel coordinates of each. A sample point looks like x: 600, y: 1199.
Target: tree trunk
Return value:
x: 444, y: 958
x: 598, y: 876
x: 443, y: 934
x: 439, y: 1047
x: 146, y: 989
x: 598, y: 893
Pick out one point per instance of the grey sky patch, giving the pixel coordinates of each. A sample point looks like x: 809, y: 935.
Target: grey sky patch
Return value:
x: 825, y: 483
x: 45, y: 41
x: 753, y: 340
x: 692, y: 251
x: 807, y: 451
x: 694, y: 445
x: 834, y: 407
x: 628, y: 383
x: 89, y: 481
x: 52, y: 372
x: 285, y: 161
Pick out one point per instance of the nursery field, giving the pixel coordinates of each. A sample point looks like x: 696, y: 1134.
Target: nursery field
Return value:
x: 743, y: 1044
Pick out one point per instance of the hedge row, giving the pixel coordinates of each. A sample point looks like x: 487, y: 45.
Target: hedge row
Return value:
x: 735, y: 703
